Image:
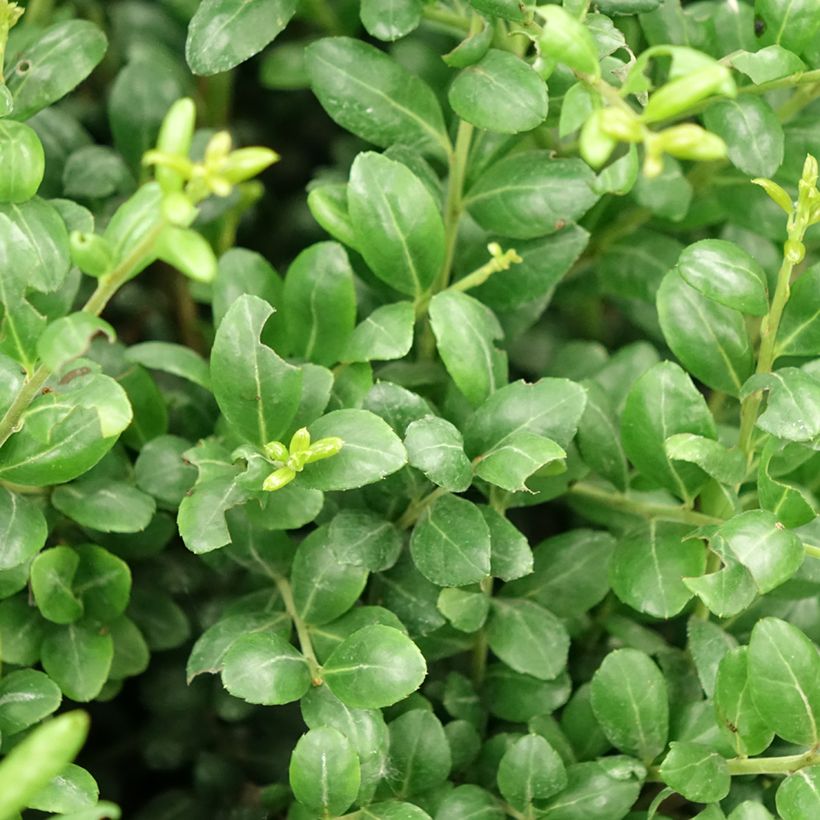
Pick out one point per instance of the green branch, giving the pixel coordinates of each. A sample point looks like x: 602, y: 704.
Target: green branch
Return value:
x: 302, y: 633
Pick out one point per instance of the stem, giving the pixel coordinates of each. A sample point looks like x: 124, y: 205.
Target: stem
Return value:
x: 106, y: 288
x: 500, y: 261
x: 450, y: 20
x: 811, y: 550
x: 416, y: 508
x: 647, y: 509
x: 481, y: 647
x: 771, y: 765
x: 712, y: 565
x: 302, y: 633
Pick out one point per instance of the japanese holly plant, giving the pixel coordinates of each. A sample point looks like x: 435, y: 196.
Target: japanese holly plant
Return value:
x: 501, y: 500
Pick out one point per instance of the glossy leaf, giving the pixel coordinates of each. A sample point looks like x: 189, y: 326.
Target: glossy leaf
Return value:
x: 799, y: 332
x: 697, y: 772
x: 392, y: 19
x: 797, y: 795
x: 81, y: 673
x: 530, y: 770
x: 385, y: 334
x: 24, y: 529
x: 436, y: 447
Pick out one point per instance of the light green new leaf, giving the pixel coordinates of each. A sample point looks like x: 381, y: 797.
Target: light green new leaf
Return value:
x: 709, y: 338
x: 390, y: 19
x: 23, y: 530
x: 319, y: 303
x: 771, y: 553
x: 530, y: 194
x: 752, y: 133
x: 724, y: 465
x: 799, y: 331
x: 72, y: 790
x: 257, y: 391
x: 225, y: 33
x: 56, y: 62
x: 371, y: 95
x: 105, y: 505
x: 399, y: 230
x: 784, y: 677
x: 385, y: 334
x: 371, y: 451
x: 649, y: 565
x: 530, y: 770
x: 630, y: 701
x: 528, y: 638
x: 420, y: 757
x: 793, y: 409
x: 465, y: 331
x: 324, y: 771
x: 26, y: 697
x: 264, y: 668
x: 436, y: 447
x: 661, y: 403
x: 450, y: 544
x: 82, y: 672
x: 697, y: 772
x: 725, y: 273
x: 734, y: 706
x: 500, y: 93
x: 376, y: 666
x: 798, y: 796
x: 510, y: 464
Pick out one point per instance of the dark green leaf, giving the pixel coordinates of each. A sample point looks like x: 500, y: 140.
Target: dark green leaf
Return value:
x: 82, y: 672
x: 24, y: 529
x: 436, y: 447
x: 419, y: 753
x: 105, y: 505
x: 26, y: 697
x: 799, y: 331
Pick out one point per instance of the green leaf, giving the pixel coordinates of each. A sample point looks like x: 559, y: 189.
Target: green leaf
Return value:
x: 319, y: 303
x: 648, y: 567
x: 170, y: 358
x: 240, y: 272
x: 630, y: 701
x: 710, y: 339
x: 789, y: 502
x: 371, y: 451
x: 661, y: 403
x: 500, y: 93
x: 24, y: 529
x: 725, y: 592
x: 770, y: 63
x: 385, y: 334
x: 201, y: 517
x: 784, y: 678
x: 509, y: 465
x: 530, y: 194
x: 465, y: 331
x: 518, y: 698
x: 26, y: 697
x: 436, y: 447
x: 752, y: 133
x: 528, y: 638
x: 469, y: 801
x: 507, y: 9
x: 793, y: 409
x: 21, y: 154
x: 798, y: 796
x: 102, y: 582
x: 530, y: 770
x: 510, y: 556
x: 734, y: 706
x: 105, y: 505
x: 450, y: 544
x: 569, y: 575
x: 264, y: 668
x: 73, y: 789
x: 324, y: 771
x: 364, y: 539
x: 799, y: 330
x: 551, y: 408
x: 465, y: 610
x: 131, y: 652
x: 697, y: 772
x: 257, y: 391
x: 82, y: 672
x: 21, y: 631
x: 372, y: 96
x: 667, y: 195
x: 726, y: 273
x: 162, y: 471
x: 324, y: 587
x: 399, y: 230
x: 376, y: 666
x: 53, y: 64
x: 70, y: 337
x: 707, y: 643
x: 420, y: 756
x: 52, y: 581
x: 793, y: 23
x: 599, y: 438
x: 721, y: 463
x: 225, y: 33
x: 390, y: 19
x: 771, y: 553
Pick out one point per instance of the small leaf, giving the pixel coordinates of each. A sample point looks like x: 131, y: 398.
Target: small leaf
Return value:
x: 324, y: 771
x: 24, y: 529
x: 465, y: 610
x: 364, y: 539
x: 721, y: 463
x: 375, y: 667
x: 510, y: 556
x: 264, y: 668
x: 630, y: 701
x: 798, y: 796
x: 697, y: 772
x: 81, y: 673
x: 70, y: 337
x: 770, y: 63
x: 72, y: 790
x: 52, y: 581
x: 390, y: 19
x: 793, y: 409
x: 510, y: 464
x: 726, y: 592
x: 500, y: 93
x: 530, y: 770
x: 420, y: 756
x: 385, y: 334
x: 528, y: 638
x: 26, y: 697
x: 170, y: 358
x: 105, y: 505
x: 450, y: 545
x: 436, y: 447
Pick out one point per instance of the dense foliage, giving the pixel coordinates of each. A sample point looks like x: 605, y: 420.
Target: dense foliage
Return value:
x: 501, y: 500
